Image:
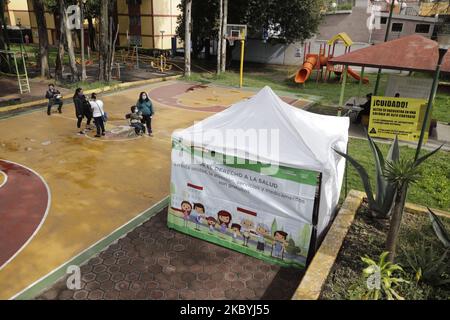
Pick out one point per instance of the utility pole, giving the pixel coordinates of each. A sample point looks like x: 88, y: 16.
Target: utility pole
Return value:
x: 386, y: 36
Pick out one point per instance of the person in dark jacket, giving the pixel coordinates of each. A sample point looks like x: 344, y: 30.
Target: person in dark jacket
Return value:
x: 365, y: 108
x: 54, y: 98
x: 145, y: 107
x: 82, y: 109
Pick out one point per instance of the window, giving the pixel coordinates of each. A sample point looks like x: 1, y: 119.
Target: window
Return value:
x: 397, y: 27
x: 383, y: 20
x: 422, y: 28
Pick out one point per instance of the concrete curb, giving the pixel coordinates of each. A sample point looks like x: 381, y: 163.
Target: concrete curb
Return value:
x: 315, y: 276
x: 320, y: 267
x: 124, y: 85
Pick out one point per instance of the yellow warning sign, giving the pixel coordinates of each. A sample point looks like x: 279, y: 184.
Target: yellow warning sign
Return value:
x: 391, y: 116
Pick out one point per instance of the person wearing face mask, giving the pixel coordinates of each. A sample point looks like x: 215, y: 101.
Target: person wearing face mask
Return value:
x: 82, y: 109
x: 145, y: 107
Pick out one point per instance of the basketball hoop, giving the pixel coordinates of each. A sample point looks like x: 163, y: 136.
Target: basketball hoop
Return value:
x: 235, y: 32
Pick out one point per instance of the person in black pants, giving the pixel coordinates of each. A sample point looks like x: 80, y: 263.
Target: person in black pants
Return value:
x: 365, y: 108
x: 82, y: 109
x: 54, y: 98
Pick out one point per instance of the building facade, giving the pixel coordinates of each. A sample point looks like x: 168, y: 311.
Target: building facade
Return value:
x: 148, y: 23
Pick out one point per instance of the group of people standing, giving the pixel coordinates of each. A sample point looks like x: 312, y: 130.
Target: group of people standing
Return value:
x: 93, y: 109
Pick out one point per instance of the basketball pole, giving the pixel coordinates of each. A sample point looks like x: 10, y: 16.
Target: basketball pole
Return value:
x: 241, y: 72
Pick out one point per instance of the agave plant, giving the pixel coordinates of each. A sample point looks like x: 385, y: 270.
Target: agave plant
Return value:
x: 401, y: 174
x: 428, y: 265
x: 439, y: 229
x: 380, y: 203
x: 380, y: 279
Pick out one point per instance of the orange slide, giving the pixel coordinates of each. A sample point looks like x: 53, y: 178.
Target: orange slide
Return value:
x: 305, y: 71
x: 356, y: 75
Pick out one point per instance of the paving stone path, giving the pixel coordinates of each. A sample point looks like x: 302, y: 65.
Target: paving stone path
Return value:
x: 154, y: 262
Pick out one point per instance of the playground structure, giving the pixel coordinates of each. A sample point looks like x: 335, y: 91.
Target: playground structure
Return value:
x: 16, y: 65
x: 131, y: 58
x: 319, y: 61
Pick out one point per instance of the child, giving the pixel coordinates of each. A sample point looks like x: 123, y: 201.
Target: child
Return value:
x: 236, y: 229
x: 200, y: 210
x: 224, y: 219
x: 279, y: 244
x: 247, y: 229
x: 135, y: 121
x: 212, y: 223
x: 186, y: 208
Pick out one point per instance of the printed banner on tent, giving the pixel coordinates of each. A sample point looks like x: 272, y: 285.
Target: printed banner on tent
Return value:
x: 397, y: 116
x: 266, y: 216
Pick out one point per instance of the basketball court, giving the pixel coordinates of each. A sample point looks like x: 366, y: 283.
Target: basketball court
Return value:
x: 63, y: 196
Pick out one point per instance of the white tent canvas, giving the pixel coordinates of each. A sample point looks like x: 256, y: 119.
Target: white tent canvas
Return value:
x: 260, y: 177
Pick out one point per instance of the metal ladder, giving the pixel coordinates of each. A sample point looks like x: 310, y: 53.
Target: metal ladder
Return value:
x: 22, y: 79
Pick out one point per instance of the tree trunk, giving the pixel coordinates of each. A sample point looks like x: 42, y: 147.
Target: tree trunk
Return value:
x: 396, y: 220
x: 187, y: 38
x: 4, y: 31
x: 38, y: 6
x: 91, y: 31
x: 224, y: 40
x: 70, y: 46
x: 220, y: 38
x: 104, y: 41
x: 59, y: 63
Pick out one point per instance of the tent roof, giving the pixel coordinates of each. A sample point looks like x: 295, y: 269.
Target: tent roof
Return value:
x: 414, y: 52
x: 304, y: 140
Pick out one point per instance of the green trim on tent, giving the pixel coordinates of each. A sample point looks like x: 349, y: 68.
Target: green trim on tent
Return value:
x: 302, y: 176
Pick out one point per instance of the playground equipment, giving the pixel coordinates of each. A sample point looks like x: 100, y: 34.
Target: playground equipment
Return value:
x: 18, y: 69
x: 314, y: 61
x: 132, y: 58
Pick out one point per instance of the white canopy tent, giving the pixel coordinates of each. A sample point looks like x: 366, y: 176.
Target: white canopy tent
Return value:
x: 287, y: 137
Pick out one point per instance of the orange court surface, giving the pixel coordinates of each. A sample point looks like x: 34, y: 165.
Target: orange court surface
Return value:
x: 64, y: 196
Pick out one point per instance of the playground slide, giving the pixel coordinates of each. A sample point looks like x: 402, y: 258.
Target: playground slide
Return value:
x: 357, y: 76
x: 305, y: 71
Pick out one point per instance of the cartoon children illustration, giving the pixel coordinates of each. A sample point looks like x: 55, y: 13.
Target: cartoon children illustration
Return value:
x: 261, y: 231
x: 247, y: 226
x: 224, y: 219
x: 186, y: 208
x: 200, y: 211
x: 212, y: 223
x: 279, y: 244
x: 236, y: 229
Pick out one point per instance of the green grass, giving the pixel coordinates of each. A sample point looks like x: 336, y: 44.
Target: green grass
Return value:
x: 90, y: 85
x: 32, y: 50
x: 280, y: 78
x: 432, y: 190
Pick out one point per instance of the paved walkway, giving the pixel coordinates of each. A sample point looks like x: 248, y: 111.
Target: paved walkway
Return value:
x: 154, y: 262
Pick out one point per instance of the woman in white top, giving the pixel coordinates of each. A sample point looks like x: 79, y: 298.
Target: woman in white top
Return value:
x: 98, y: 114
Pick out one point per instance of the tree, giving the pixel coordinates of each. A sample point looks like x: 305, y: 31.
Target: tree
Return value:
x: 223, y: 53
x: 288, y: 21
x: 92, y: 11
x: 104, y: 41
x: 4, y: 39
x: 187, y: 38
x: 274, y: 226
x: 39, y: 10
x: 401, y: 174
x: 219, y: 38
x: 69, y: 41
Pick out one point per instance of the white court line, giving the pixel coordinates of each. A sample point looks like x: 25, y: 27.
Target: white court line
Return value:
x: 5, y: 179
x: 49, y: 200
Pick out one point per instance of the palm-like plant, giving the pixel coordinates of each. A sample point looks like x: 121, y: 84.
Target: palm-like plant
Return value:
x: 401, y: 174
x: 380, y: 203
x: 380, y: 279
